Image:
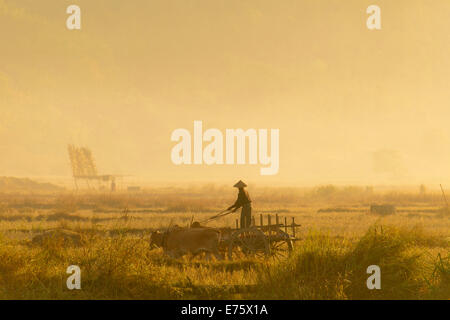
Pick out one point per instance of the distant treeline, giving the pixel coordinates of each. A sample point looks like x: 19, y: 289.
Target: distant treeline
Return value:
x: 206, y: 198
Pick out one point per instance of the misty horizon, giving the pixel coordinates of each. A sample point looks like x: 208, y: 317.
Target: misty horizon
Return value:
x: 352, y: 106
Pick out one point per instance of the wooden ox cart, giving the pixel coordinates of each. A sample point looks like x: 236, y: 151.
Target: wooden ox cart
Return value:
x: 271, y: 240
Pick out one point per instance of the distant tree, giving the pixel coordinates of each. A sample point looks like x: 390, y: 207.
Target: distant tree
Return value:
x: 326, y: 191
x: 422, y: 190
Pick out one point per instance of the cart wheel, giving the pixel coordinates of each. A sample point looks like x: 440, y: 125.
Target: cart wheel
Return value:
x: 281, y: 248
x: 249, y: 242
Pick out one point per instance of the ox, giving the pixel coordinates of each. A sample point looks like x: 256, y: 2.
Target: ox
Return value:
x: 179, y: 241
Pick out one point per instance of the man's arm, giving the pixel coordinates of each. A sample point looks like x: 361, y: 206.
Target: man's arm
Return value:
x: 236, y: 205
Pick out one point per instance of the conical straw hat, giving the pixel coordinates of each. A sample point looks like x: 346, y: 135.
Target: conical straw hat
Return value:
x: 240, y: 184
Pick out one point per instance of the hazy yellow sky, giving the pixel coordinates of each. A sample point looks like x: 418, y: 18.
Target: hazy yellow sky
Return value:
x: 352, y: 105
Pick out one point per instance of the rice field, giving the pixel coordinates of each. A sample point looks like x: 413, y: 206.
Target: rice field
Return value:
x: 339, y: 238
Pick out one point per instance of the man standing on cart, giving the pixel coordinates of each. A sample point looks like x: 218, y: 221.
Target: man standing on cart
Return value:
x: 245, y: 202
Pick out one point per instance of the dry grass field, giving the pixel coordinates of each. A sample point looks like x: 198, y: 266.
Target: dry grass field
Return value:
x: 339, y: 238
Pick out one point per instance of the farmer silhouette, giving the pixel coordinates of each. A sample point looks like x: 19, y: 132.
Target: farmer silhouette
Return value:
x: 245, y: 202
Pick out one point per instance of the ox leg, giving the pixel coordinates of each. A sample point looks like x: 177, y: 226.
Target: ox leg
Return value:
x: 218, y: 255
x: 208, y: 255
x: 215, y: 251
x: 203, y: 250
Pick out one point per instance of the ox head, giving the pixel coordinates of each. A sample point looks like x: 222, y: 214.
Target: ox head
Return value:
x: 156, y: 239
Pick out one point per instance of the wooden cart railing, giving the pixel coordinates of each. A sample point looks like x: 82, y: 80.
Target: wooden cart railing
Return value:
x: 273, y: 226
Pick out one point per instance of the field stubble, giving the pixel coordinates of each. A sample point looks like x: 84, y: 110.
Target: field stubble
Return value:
x: 338, y: 240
